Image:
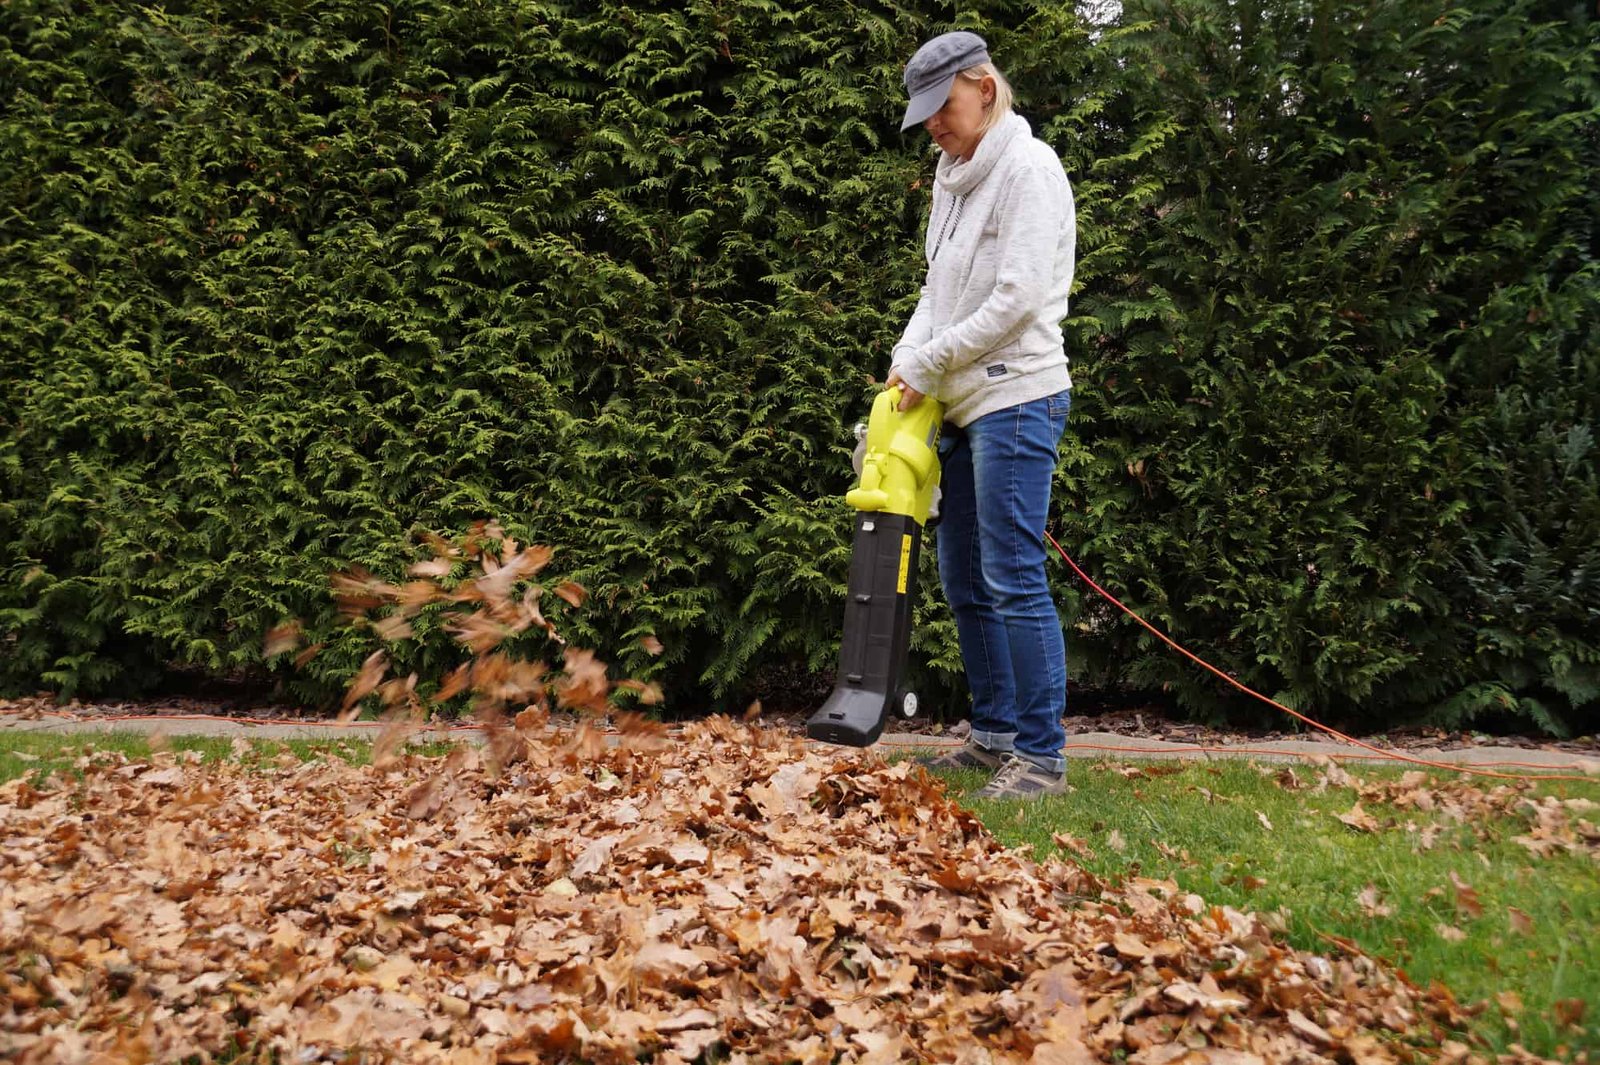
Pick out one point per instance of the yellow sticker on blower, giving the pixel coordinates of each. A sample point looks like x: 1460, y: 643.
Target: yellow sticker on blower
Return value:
x: 905, y: 563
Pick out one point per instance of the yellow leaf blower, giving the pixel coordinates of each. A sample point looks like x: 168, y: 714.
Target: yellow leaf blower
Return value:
x: 898, y: 489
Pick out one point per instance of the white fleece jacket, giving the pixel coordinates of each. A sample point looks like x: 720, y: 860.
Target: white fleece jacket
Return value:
x: 1001, y: 239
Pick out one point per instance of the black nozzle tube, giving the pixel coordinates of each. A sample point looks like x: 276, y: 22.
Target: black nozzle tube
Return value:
x: 877, y: 630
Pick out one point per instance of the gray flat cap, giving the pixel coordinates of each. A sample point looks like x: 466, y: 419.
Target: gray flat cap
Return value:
x: 933, y: 70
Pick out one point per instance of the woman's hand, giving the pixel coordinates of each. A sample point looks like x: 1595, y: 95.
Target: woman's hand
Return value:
x: 909, y: 397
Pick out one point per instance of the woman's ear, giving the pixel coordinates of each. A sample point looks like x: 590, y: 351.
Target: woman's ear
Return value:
x: 987, y: 88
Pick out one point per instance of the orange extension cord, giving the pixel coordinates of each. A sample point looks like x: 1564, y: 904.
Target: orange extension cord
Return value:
x: 1398, y: 756
x: 1543, y: 772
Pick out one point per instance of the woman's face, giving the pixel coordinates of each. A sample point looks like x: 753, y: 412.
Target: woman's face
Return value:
x: 954, y: 127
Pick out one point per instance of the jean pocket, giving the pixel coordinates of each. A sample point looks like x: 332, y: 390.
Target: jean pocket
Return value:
x: 1060, y: 404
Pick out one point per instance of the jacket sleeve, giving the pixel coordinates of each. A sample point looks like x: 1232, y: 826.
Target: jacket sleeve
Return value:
x: 918, y: 332
x: 1032, y: 212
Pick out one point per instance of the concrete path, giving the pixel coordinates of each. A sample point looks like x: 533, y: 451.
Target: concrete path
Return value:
x: 1102, y: 745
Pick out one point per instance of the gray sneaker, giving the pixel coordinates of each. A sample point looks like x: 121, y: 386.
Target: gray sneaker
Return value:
x: 1018, y: 778
x: 972, y: 756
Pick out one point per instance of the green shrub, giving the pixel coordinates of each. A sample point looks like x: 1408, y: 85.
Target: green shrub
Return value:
x: 1325, y: 220
x: 280, y: 285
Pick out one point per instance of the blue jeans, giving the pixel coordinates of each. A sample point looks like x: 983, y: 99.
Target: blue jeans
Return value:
x: 996, y: 474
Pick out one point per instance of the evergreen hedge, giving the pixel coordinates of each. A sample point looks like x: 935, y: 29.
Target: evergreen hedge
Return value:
x: 1345, y: 344
x: 282, y: 285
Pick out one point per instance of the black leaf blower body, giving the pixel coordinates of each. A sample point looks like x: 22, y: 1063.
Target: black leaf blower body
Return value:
x: 896, y: 494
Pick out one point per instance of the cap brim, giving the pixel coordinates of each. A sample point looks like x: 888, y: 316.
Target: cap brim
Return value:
x: 926, y: 103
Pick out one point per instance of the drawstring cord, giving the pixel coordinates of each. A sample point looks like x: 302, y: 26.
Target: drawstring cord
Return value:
x: 952, y: 218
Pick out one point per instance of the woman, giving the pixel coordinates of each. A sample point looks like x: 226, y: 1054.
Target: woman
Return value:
x: 985, y: 341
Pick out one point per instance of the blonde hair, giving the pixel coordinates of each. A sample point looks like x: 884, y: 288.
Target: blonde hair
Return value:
x: 1000, y: 106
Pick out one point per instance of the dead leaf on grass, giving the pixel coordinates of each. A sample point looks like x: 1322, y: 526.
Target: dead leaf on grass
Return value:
x: 1074, y: 845
x: 1358, y: 818
x: 1568, y: 1012
x: 1467, y: 902
x: 1372, y: 903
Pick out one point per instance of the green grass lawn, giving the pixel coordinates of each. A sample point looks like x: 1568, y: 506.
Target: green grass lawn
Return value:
x: 1513, y: 933
x: 1475, y: 911
x: 34, y: 753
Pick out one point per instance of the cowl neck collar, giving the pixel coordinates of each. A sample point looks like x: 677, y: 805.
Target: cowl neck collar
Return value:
x: 959, y: 177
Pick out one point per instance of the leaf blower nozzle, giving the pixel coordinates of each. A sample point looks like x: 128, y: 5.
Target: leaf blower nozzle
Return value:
x: 895, y: 499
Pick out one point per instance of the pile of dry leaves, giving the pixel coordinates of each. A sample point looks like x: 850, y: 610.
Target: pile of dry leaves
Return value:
x: 726, y: 894
x: 722, y: 895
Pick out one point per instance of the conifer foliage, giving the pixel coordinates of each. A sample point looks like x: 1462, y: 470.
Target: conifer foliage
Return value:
x: 1338, y: 391
x: 282, y: 284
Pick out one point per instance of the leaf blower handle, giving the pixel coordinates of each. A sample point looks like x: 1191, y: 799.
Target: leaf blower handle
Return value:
x: 900, y: 464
